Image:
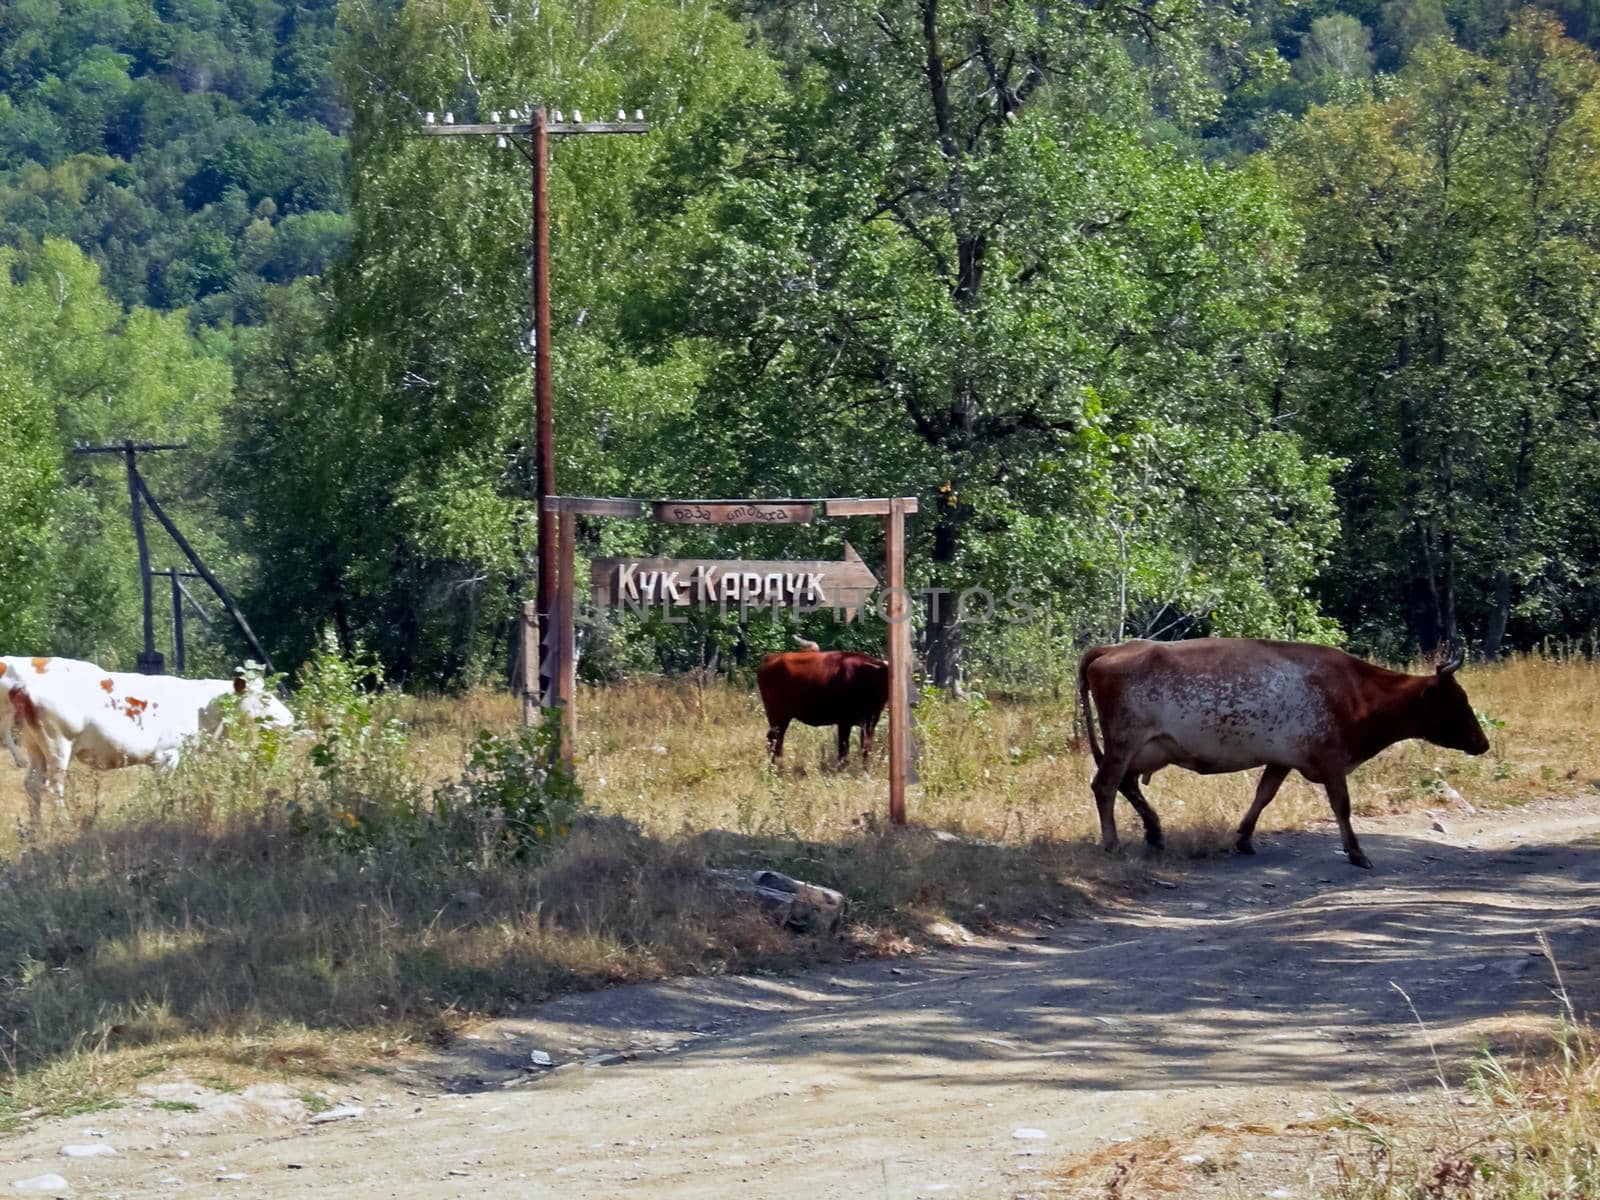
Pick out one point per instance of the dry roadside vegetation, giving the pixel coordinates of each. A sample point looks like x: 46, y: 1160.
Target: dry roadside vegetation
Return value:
x: 1519, y: 1127
x: 1524, y: 1127
x: 1518, y: 1121
x: 302, y: 906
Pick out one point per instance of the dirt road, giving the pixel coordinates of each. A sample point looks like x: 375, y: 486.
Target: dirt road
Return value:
x: 1236, y: 990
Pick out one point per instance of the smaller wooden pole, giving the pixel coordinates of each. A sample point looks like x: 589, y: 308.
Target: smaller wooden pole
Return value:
x: 178, y: 660
x: 193, y: 603
x: 212, y: 581
x: 898, y: 613
x: 529, y: 676
x: 566, y: 648
x: 150, y: 661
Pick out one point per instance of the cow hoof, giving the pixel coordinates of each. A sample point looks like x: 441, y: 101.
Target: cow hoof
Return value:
x: 1359, y: 859
x: 1156, y: 842
x: 1242, y: 847
x: 1109, y: 847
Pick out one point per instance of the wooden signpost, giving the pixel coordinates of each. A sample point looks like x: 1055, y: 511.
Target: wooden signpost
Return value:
x: 803, y: 586
x: 843, y: 585
x: 733, y: 512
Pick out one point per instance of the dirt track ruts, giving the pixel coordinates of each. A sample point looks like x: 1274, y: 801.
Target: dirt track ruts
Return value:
x: 1254, y: 984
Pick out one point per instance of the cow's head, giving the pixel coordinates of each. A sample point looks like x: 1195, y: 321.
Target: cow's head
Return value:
x: 255, y: 702
x: 1448, y: 718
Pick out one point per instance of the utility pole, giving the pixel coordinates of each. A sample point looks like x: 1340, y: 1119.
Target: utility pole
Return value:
x: 140, y: 497
x: 537, y: 125
x: 150, y: 660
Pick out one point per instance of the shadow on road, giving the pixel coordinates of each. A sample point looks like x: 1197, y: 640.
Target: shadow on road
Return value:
x: 1283, y: 968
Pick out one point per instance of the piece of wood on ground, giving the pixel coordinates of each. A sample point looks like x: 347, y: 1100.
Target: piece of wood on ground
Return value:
x: 792, y: 903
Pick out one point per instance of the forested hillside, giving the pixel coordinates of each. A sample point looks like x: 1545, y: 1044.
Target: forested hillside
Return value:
x: 1256, y: 319
x: 194, y: 149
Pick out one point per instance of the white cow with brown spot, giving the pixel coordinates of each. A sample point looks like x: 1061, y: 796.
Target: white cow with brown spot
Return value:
x: 1216, y: 705
x: 65, y: 709
x: 14, y: 672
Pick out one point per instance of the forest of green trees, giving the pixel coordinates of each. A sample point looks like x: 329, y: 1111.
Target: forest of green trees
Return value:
x: 1261, y: 318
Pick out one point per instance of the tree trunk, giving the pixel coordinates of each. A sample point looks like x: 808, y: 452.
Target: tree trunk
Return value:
x: 1447, y: 547
x: 1424, y: 610
x: 514, y: 588
x: 1500, y: 617
x: 943, y: 634
x: 1422, y: 587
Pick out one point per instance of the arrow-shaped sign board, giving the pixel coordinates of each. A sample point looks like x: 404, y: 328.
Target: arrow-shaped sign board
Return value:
x: 654, y: 582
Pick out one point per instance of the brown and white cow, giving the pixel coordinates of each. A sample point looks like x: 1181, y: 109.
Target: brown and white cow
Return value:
x: 65, y: 709
x: 823, y: 687
x: 1215, y: 705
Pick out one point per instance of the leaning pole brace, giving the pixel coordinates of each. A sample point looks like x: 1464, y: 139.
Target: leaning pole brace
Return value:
x: 212, y: 581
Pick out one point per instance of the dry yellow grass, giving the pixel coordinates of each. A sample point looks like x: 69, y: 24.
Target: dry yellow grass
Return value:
x: 674, y: 756
x: 1522, y: 1126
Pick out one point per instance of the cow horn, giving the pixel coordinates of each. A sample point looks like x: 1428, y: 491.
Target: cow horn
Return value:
x: 1452, y: 664
x: 805, y: 643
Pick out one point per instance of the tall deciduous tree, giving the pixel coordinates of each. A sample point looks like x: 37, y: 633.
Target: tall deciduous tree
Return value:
x: 1452, y: 243
x: 960, y: 262
x: 399, y: 401
x: 74, y: 366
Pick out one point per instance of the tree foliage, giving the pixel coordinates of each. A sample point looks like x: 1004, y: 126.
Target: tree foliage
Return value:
x: 1230, y: 318
x: 75, y: 367
x: 1451, y: 250
x: 163, y: 139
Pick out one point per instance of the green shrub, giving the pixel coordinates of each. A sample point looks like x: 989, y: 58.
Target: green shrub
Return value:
x: 364, y: 791
x: 515, y: 798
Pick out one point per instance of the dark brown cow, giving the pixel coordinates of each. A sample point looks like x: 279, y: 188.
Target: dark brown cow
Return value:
x: 1225, y: 704
x: 823, y: 687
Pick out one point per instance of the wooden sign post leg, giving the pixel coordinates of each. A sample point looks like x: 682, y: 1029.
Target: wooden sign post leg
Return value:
x: 899, y: 616
x: 528, y: 679
x: 566, y: 664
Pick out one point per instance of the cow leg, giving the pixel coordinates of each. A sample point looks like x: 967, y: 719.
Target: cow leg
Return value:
x: 47, y: 772
x: 1152, y: 823
x: 775, y: 734
x: 844, y: 744
x: 868, y: 729
x: 56, y: 775
x: 1271, y: 780
x: 1107, y: 780
x: 34, y: 786
x: 1339, y: 798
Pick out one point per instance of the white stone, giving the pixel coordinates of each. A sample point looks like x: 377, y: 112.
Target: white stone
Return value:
x: 52, y: 1184
x: 343, y: 1112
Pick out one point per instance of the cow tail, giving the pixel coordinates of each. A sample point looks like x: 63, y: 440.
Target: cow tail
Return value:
x: 1085, y: 707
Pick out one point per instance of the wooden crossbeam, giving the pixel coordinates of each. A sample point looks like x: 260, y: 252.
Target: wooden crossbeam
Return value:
x: 592, y: 506
x: 731, y: 511
x: 524, y: 128
x: 859, y: 507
